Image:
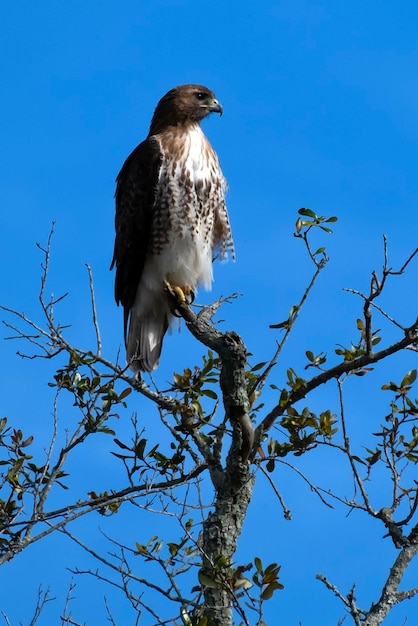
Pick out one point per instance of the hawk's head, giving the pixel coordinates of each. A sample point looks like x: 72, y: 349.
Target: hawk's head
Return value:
x: 185, y: 103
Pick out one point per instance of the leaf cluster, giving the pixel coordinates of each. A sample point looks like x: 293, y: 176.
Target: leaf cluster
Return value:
x: 195, y: 385
x: 92, y: 394
x: 398, y: 437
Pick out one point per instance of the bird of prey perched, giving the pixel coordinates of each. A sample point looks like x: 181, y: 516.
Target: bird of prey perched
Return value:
x: 171, y: 220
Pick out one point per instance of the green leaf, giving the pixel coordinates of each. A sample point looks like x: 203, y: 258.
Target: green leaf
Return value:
x: 358, y: 459
x: 259, y: 366
x: 27, y: 442
x: 272, y: 569
x: 106, y: 430
x: 140, y: 548
x: 307, y: 213
x: 16, y: 467
x: 258, y: 564
x: 374, y: 458
x: 174, y: 548
x: 409, y: 378
x: 125, y: 393
x: 270, y: 465
x: 209, y: 393
x: 270, y: 589
x: 120, y: 444
x: 206, y: 581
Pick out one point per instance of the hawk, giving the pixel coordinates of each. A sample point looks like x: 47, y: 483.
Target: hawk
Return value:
x: 171, y: 220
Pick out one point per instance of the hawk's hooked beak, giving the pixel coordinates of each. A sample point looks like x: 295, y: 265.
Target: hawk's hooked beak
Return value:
x: 216, y: 107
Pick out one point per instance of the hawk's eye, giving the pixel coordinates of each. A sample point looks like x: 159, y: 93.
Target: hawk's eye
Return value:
x: 200, y: 95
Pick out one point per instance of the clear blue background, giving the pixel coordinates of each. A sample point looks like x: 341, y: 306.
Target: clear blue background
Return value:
x: 320, y: 103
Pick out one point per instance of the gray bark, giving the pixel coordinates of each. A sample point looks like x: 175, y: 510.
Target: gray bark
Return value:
x: 390, y: 593
x: 234, y: 482
x: 220, y: 534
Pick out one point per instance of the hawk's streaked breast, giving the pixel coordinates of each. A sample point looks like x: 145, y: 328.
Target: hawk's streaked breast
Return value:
x: 190, y: 198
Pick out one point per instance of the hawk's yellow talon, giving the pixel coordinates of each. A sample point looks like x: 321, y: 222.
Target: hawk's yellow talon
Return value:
x: 180, y: 294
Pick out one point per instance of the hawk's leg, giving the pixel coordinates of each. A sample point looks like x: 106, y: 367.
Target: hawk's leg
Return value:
x: 179, y: 295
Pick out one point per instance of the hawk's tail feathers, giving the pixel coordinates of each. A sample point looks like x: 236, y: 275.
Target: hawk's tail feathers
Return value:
x: 145, y: 340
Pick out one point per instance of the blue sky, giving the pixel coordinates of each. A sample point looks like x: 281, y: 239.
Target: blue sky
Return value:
x: 319, y: 110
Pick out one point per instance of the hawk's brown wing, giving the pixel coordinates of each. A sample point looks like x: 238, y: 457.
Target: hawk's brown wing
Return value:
x: 135, y: 196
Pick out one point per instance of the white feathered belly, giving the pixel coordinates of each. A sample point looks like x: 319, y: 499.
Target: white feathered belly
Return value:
x: 185, y: 261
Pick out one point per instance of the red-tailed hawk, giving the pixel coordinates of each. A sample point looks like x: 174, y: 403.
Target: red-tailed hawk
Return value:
x: 171, y: 220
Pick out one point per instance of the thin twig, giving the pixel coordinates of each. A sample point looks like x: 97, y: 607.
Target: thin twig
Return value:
x: 42, y: 599
x: 312, y: 487
x: 295, y: 311
x: 347, y: 451
x: 288, y: 326
x: 286, y: 512
x: 332, y: 588
x: 94, y: 311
